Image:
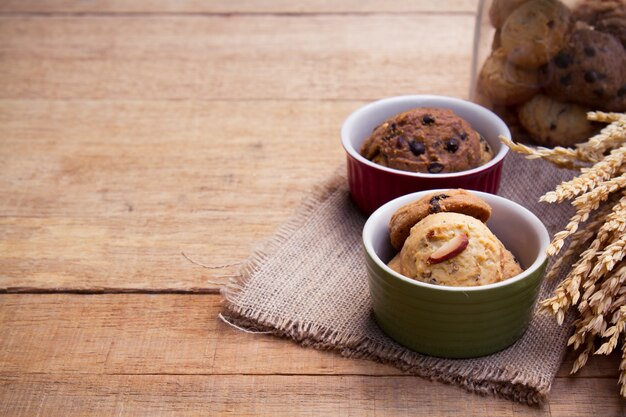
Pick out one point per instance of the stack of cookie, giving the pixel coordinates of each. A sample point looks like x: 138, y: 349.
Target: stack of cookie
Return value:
x: 442, y: 239
x: 550, y: 65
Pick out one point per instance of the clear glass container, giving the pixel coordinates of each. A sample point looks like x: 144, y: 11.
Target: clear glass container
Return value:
x: 541, y: 65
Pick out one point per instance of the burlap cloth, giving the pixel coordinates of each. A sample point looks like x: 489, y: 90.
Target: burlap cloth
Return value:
x: 309, y: 283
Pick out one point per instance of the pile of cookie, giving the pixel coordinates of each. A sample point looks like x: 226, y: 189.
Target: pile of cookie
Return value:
x: 550, y: 64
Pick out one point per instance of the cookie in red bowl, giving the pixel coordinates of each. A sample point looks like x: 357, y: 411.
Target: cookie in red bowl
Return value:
x: 399, y: 145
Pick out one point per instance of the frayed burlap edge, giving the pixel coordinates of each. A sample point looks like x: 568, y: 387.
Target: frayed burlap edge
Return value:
x: 504, y: 383
x: 319, y: 193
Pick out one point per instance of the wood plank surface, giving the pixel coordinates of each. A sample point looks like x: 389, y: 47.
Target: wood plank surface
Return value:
x: 279, y: 395
x: 143, y: 353
x: 113, y: 158
x: 236, y: 6
x: 132, y: 131
x: 154, y: 334
x: 167, y: 334
x: 251, y: 57
x: 107, y: 194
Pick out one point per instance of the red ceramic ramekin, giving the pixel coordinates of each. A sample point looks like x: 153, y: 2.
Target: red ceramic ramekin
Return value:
x: 372, y: 185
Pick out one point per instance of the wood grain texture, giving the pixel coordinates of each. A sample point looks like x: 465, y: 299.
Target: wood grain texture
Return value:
x: 235, y: 6
x: 133, y: 130
x: 159, y: 355
x: 168, y: 334
x: 225, y: 57
x: 164, y: 395
x: 105, y: 195
x: 154, y: 334
x: 279, y: 395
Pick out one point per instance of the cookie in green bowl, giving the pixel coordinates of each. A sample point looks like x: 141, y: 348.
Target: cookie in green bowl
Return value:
x: 457, y: 321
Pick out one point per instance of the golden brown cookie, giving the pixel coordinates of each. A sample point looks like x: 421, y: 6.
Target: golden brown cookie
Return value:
x: 504, y: 83
x: 396, y: 264
x: 501, y: 9
x: 535, y: 32
x: 508, y: 263
x: 554, y: 123
x: 426, y: 140
x: 457, y: 201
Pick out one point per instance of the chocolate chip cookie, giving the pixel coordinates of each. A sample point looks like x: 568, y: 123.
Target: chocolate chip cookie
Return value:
x: 500, y: 10
x: 426, y: 140
x: 608, y: 16
x: 554, y: 123
x: 535, y: 32
x: 590, y: 70
x: 457, y: 201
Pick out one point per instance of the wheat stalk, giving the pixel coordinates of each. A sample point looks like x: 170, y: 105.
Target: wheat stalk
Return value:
x: 589, y: 178
x: 596, y: 282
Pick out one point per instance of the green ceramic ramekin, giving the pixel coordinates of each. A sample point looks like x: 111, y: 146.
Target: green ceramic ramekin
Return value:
x: 457, y: 322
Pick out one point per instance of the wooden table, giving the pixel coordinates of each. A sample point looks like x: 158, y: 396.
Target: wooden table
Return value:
x: 134, y: 131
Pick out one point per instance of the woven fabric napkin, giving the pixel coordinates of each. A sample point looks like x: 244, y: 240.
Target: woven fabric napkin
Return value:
x: 308, y: 283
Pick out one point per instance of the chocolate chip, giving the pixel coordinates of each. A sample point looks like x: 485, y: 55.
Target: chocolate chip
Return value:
x: 427, y: 119
x: 417, y: 148
x: 599, y: 92
x: 589, y: 51
x: 452, y: 145
x: 550, y: 24
x: 591, y: 76
x: 552, y: 126
x: 400, y: 142
x: 463, y: 135
x: 434, y: 206
x: 562, y: 60
x: 393, y: 126
x: 435, y: 167
x: 439, y: 197
x: 566, y: 79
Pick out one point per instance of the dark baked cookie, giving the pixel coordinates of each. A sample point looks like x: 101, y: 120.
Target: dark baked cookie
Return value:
x: 614, y: 26
x: 589, y: 70
x: 608, y: 16
x: 553, y: 123
x: 426, y: 140
x: 457, y: 201
x: 535, y: 32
